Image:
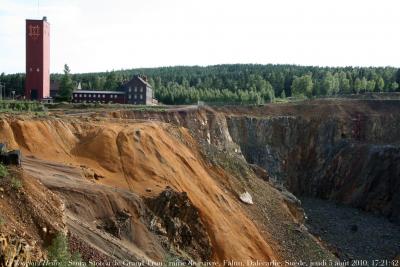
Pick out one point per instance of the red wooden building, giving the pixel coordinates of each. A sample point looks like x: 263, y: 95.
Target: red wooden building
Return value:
x: 137, y: 91
x: 37, y: 84
x: 89, y: 96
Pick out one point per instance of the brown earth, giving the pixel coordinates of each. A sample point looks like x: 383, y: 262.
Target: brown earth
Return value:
x: 142, y: 158
x: 30, y: 214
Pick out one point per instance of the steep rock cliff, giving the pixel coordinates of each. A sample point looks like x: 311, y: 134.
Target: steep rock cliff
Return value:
x: 347, y: 156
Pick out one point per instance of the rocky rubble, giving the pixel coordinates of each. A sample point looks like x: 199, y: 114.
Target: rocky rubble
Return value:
x: 177, y: 219
x: 87, y: 252
x: 30, y: 216
x: 352, y: 233
x: 14, y: 251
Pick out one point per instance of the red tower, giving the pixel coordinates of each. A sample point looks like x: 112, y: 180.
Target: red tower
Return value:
x: 37, y: 83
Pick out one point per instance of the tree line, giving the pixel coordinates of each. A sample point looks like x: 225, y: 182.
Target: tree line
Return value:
x: 236, y: 83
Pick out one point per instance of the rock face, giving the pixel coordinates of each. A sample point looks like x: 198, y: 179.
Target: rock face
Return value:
x: 260, y: 172
x: 347, y: 151
x: 354, y: 159
x: 176, y: 218
x: 118, y: 225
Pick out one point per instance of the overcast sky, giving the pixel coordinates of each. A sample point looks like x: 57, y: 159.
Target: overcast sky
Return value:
x: 97, y: 35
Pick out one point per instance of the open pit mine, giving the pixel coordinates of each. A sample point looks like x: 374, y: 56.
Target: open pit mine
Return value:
x: 297, y: 184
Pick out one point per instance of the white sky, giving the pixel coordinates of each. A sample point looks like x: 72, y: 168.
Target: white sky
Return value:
x: 98, y: 35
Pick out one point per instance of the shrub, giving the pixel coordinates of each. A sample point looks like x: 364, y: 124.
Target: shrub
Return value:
x: 2, y: 221
x: 59, y: 252
x: 3, y: 171
x: 16, y: 183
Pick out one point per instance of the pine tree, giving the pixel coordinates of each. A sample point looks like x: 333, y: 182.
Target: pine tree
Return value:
x: 66, y: 86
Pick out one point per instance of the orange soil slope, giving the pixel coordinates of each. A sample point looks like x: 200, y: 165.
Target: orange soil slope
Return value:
x: 142, y: 156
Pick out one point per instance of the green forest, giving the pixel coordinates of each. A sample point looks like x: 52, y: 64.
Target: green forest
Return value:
x: 237, y: 83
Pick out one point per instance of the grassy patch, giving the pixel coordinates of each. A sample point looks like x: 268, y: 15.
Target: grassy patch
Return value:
x: 281, y: 100
x: 16, y: 106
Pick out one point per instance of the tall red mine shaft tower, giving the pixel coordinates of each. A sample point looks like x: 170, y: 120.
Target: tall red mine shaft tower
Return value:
x: 37, y: 83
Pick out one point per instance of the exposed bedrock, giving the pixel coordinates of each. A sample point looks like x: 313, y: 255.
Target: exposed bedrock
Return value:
x: 353, y: 159
x: 176, y: 218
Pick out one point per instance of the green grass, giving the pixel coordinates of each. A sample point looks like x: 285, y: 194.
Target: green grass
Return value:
x: 281, y: 100
x: 16, y: 183
x: 17, y: 106
x: 88, y: 106
x: 3, y: 171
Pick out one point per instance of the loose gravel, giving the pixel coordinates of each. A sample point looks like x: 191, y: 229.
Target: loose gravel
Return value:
x: 352, y: 233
